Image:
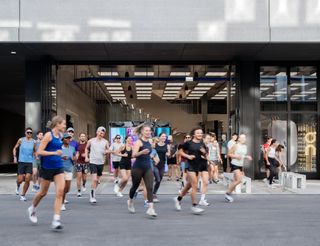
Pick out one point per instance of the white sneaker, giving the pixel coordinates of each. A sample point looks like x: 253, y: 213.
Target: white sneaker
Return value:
x: 65, y: 201
x: 56, y: 225
x: 131, y: 207
x: 84, y: 189
x: 63, y: 207
x: 271, y: 186
x: 93, y: 200
x: 119, y: 194
x: 151, y: 213
x: 204, y: 203
x: 197, y: 210
x: 17, y: 191
x: 116, y: 188
x: 79, y: 194
x: 32, y: 215
x: 23, y: 198
x: 177, y: 204
x: 228, y: 198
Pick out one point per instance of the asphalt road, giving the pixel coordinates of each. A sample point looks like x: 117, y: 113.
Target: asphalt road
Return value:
x: 251, y: 220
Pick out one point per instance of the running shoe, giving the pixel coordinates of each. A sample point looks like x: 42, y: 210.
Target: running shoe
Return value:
x: 84, y: 189
x: 204, y: 203
x: 116, y: 188
x: 79, y: 194
x: 228, y: 198
x: 197, y: 210
x: 17, y: 191
x: 150, y: 212
x: 23, y: 198
x: 116, y: 181
x: 56, y: 225
x: 93, y: 200
x: 63, y: 207
x: 177, y: 204
x: 65, y: 201
x: 131, y: 207
x: 119, y: 194
x: 32, y: 215
x: 271, y: 186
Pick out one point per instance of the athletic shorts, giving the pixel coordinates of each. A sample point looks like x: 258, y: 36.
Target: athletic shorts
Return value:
x: 199, y: 168
x: 24, y: 168
x: 172, y: 161
x: 214, y: 163
x: 96, y: 169
x: 36, y: 163
x: 82, y: 168
x: 68, y: 176
x: 48, y: 174
x: 125, y: 166
x: 234, y: 167
x: 116, y: 164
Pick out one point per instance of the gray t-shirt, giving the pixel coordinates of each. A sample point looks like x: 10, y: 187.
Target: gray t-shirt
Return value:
x: 98, y: 151
x: 115, y: 147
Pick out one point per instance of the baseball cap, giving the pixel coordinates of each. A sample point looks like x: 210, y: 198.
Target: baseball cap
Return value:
x: 65, y: 135
x: 101, y: 128
x: 70, y: 129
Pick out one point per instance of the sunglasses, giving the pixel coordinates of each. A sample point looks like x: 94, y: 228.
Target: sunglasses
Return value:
x: 187, y: 137
x: 29, y: 132
x: 118, y: 138
x: 71, y: 131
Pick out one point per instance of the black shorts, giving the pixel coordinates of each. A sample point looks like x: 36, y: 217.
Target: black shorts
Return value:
x: 125, y: 165
x: 116, y: 164
x: 82, y: 168
x: 234, y: 167
x: 48, y: 174
x: 96, y: 169
x: 172, y: 161
x: 24, y: 168
x: 199, y: 168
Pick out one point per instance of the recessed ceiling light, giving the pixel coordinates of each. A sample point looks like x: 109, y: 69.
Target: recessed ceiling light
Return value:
x: 144, y: 98
x: 206, y: 84
x: 179, y: 74
x: 144, y: 88
x: 299, y: 84
x: 199, y: 91
x: 113, y: 74
x: 114, y: 92
x: 218, y: 74
x: 201, y: 88
x: 173, y: 88
x: 143, y: 84
x: 114, y: 88
x: 112, y: 84
x: 175, y: 84
x: 13, y: 52
x: 143, y: 73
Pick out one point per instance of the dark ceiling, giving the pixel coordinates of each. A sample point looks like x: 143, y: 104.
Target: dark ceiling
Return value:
x: 121, y: 53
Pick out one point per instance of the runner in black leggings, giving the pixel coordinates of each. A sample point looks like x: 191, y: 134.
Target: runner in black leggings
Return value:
x: 142, y: 169
x: 163, y: 151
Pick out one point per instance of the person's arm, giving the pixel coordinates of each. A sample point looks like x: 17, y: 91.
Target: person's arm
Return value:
x: 219, y: 153
x: 74, y: 157
x: 168, y: 150
x: 14, y: 151
x: 86, y: 152
x: 232, y: 154
x: 267, y: 154
x: 136, y: 152
x: 108, y: 148
x: 156, y: 159
x: 185, y: 155
x: 42, y: 152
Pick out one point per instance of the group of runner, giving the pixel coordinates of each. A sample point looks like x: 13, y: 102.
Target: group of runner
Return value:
x: 144, y: 161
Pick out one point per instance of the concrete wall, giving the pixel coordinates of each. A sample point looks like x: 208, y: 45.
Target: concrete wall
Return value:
x: 71, y: 100
x: 160, y: 20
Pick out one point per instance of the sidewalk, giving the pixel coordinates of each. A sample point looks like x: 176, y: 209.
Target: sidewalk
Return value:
x: 7, y: 186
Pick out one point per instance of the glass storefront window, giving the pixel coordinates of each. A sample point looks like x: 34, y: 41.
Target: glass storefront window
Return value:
x: 275, y: 126
x: 303, y: 88
x: 273, y: 88
x: 303, y: 143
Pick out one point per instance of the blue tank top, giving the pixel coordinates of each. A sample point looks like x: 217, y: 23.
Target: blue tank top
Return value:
x: 143, y: 161
x: 52, y: 161
x: 26, y: 150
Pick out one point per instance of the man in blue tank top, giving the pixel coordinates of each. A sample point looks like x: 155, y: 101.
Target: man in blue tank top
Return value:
x: 26, y: 147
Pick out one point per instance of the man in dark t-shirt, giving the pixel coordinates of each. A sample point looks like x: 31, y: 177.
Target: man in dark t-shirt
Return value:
x: 82, y: 168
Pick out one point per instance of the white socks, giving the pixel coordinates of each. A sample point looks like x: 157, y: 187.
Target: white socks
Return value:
x: 203, y: 197
x: 56, y: 217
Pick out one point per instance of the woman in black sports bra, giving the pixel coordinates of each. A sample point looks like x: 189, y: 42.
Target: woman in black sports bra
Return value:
x: 125, y: 166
